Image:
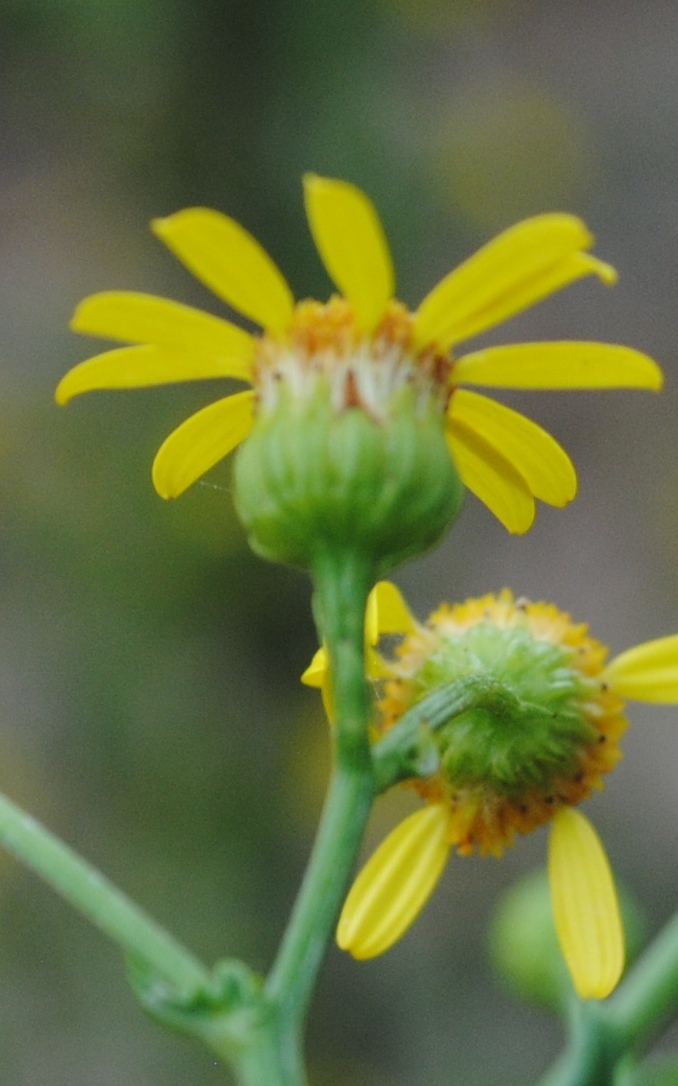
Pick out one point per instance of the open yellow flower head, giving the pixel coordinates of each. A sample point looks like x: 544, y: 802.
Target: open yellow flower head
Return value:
x: 359, y: 417
x: 538, y: 738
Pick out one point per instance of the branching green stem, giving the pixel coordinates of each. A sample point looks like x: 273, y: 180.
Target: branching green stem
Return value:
x: 91, y: 893
x: 603, y: 1036
x: 648, y: 997
x: 341, y: 594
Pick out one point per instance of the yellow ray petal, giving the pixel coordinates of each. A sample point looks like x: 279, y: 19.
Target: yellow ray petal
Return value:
x: 544, y: 465
x: 518, y: 268
x: 491, y: 477
x: 143, y: 318
x: 585, y: 906
x: 139, y: 367
x: 648, y: 672
x: 376, y: 667
x: 317, y: 669
x: 200, y: 442
x: 559, y: 365
x: 318, y: 674
x: 350, y: 239
x: 387, y: 613
x: 224, y: 256
x: 395, y: 883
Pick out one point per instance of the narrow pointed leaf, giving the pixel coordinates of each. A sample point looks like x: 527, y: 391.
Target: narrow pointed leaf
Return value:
x: 227, y: 259
x: 200, y: 442
x: 543, y: 463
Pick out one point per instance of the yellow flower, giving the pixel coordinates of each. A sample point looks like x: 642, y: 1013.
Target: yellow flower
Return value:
x: 364, y: 344
x: 508, y: 769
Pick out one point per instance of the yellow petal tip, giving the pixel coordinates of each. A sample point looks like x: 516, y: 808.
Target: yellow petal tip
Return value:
x: 606, y: 273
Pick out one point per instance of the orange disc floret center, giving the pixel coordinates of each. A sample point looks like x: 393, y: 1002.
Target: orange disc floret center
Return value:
x: 544, y: 741
x: 325, y: 341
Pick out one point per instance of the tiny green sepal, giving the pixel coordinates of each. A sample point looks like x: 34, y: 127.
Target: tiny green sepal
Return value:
x: 223, y: 1013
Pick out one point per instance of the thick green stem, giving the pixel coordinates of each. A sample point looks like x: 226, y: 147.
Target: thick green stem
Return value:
x: 648, y: 997
x: 593, y: 1052
x: 84, y: 887
x: 341, y: 594
x: 604, y: 1034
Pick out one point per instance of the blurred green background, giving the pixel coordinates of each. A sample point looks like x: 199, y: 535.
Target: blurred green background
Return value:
x: 150, y: 709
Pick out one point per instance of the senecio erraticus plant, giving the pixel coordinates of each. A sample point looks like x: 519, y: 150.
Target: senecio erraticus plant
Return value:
x: 357, y: 438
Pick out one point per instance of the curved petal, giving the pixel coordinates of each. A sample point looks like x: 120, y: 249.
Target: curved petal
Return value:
x: 518, y: 268
x: 200, y: 442
x: 585, y: 906
x: 376, y: 667
x: 227, y: 259
x: 387, y: 613
x: 559, y: 365
x: 318, y: 674
x: 491, y: 477
x: 317, y: 669
x: 648, y: 672
x: 395, y: 883
x: 544, y: 465
x: 351, y: 241
x: 140, y: 367
x: 144, y: 318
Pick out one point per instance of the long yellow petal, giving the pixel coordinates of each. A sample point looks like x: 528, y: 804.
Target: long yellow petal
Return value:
x: 395, y: 883
x: 491, y: 477
x: 387, y: 613
x: 144, y: 318
x: 559, y: 365
x: 518, y: 268
x: 224, y: 256
x: 351, y: 241
x: 543, y: 463
x: 139, y: 367
x: 200, y: 442
x: 585, y: 906
x: 648, y: 672
x: 317, y: 669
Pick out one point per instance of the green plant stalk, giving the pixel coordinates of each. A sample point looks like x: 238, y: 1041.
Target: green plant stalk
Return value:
x: 342, y: 584
x: 93, y: 895
x: 604, y: 1034
x: 593, y: 1051
x: 644, y: 1002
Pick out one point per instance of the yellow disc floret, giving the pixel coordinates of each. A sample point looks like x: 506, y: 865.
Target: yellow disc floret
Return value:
x: 542, y: 744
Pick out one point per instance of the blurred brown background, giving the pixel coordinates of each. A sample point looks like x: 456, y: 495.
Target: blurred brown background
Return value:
x: 150, y: 709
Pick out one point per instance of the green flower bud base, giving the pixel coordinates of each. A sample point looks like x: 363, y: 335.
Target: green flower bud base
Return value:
x: 311, y: 480
x: 531, y: 734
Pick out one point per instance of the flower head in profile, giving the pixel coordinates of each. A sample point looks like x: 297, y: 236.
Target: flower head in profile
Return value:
x: 524, y: 752
x: 363, y: 346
